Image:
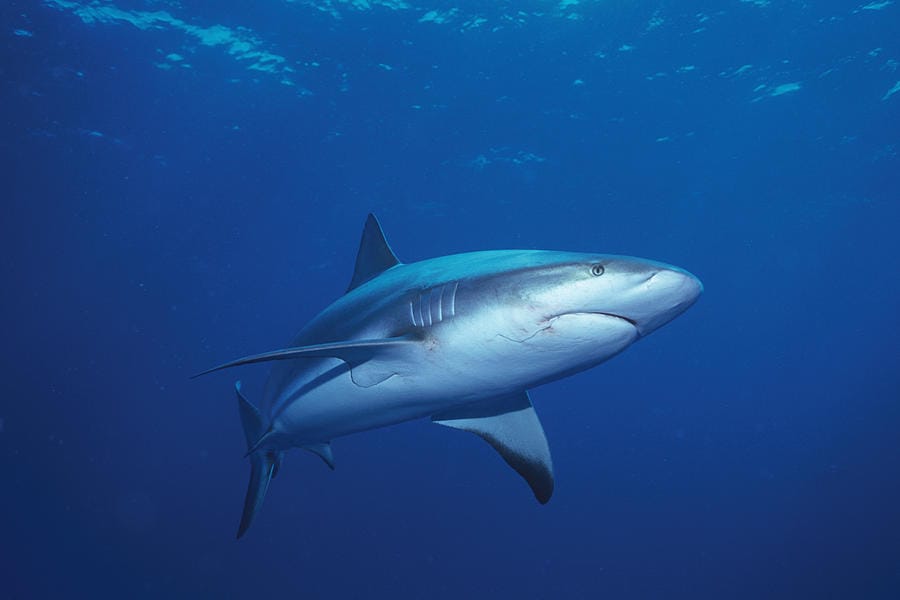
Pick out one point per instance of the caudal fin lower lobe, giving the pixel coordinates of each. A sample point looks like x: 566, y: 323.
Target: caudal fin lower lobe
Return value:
x: 262, y: 462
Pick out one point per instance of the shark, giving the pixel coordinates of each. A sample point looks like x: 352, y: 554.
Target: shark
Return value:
x: 458, y: 339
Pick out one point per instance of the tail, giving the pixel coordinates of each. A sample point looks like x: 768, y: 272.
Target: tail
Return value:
x: 263, y: 463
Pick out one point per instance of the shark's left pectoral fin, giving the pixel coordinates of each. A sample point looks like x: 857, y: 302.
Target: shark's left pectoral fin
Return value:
x: 510, y: 425
x: 353, y: 352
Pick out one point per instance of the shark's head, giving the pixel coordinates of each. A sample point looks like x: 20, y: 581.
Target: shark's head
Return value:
x: 646, y: 294
x: 572, y: 311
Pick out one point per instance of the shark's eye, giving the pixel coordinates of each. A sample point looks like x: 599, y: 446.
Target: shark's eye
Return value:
x: 597, y: 270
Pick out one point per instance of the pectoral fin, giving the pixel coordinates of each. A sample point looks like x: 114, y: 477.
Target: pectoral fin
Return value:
x: 353, y: 352
x: 510, y: 425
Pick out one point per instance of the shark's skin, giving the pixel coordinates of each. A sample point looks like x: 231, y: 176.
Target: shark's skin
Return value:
x: 459, y: 339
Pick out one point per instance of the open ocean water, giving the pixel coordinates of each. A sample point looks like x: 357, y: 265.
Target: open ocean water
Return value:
x: 185, y: 182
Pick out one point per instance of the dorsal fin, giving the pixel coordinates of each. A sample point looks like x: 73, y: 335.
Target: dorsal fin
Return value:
x: 375, y: 255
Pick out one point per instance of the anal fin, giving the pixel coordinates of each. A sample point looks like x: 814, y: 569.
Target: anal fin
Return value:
x: 323, y: 451
x: 510, y: 425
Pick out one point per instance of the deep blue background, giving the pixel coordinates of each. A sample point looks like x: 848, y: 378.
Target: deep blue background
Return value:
x: 157, y: 221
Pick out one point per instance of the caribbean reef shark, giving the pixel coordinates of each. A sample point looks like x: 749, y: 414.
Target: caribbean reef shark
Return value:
x: 459, y: 339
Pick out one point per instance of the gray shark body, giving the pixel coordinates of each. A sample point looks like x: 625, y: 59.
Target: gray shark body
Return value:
x: 459, y: 339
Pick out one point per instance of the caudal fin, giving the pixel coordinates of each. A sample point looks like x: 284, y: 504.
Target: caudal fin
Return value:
x: 263, y: 463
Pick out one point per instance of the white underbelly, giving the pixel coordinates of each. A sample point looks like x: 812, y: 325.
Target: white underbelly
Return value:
x: 457, y: 368
x: 340, y: 406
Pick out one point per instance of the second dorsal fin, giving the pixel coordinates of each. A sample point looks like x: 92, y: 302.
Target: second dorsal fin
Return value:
x: 375, y: 255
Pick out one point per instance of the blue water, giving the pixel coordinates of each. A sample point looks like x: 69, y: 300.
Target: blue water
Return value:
x: 185, y: 183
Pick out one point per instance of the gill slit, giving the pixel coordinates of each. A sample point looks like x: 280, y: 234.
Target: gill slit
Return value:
x: 419, y: 312
x: 453, y: 299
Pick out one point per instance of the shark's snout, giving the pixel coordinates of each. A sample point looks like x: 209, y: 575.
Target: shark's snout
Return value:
x: 667, y: 293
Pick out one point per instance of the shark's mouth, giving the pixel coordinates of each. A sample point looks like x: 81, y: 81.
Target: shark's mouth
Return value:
x: 620, y: 317
x: 548, y: 323
x: 631, y: 322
